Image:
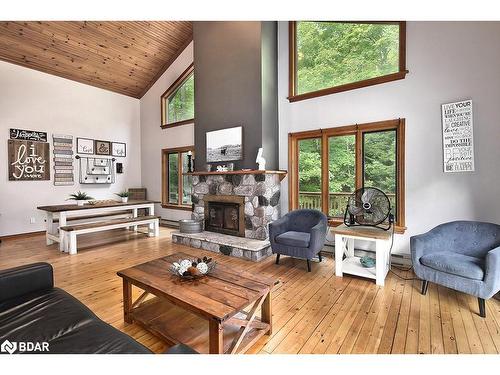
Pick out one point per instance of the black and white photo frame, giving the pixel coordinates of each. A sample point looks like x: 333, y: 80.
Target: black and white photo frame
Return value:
x: 85, y: 146
x: 119, y: 149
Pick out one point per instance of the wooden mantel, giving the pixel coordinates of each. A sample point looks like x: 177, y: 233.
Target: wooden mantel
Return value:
x: 282, y: 174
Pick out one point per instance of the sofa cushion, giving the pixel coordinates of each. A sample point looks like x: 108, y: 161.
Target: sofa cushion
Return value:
x: 293, y: 238
x: 456, y: 264
x: 58, y: 318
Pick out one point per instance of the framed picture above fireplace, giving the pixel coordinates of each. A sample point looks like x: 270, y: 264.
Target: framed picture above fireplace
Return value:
x: 224, y: 145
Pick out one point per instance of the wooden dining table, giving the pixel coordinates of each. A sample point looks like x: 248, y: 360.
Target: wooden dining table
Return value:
x: 60, y: 213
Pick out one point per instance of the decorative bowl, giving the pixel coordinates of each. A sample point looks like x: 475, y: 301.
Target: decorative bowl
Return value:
x: 189, y: 269
x: 367, y: 262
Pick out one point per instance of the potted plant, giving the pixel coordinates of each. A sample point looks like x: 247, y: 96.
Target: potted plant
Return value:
x: 123, y: 195
x: 80, y: 197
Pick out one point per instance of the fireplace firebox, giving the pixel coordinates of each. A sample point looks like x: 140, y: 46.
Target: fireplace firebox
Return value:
x: 225, y: 214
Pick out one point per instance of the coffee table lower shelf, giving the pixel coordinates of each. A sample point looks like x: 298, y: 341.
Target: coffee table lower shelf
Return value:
x: 175, y: 325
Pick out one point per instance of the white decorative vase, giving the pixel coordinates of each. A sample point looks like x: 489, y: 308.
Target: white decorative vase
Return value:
x: 80, y: 202
x: 124, y: 199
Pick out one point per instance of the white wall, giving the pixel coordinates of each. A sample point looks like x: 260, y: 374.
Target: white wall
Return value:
x: 154, y: 138
x: 448, y: 61
x: 37, y: 101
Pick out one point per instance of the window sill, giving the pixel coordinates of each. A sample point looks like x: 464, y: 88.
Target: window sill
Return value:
x: 178, y: 123
x: 398, y: 229
x: 177, y: 207
x: 349, y: 86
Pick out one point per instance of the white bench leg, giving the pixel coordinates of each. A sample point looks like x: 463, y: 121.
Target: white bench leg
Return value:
x: 339, y: 254
x: 134, y: 214
x: 151, y: 229
x: 157, y: 228
x: 62, y: 223
x: 50, y: 227
x: 72, y: 243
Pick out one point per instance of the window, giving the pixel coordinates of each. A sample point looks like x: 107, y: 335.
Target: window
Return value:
x: 328, y: 165
x: 177, y: 103
x: 329, y: 57
x: 176, y: 186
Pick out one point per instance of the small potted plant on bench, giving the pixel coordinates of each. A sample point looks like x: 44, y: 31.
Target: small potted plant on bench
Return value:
x: 124, y: 196
x: 80, y: 197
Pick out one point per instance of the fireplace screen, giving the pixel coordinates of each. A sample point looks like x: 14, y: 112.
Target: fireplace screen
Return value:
x: 224, y: 217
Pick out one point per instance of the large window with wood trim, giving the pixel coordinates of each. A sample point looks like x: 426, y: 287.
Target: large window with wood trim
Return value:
x: 329, y: 57
x: 176, y: 186
x: 326, y: 166
x: 177, y: 103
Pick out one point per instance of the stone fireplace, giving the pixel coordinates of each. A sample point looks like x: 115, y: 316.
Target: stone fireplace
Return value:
x: 258, y: 196
x: 225, y: 214
x: 236, y: 208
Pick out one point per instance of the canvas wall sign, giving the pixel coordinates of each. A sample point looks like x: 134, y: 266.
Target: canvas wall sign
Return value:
x: 28, y: 135
x: 63, y: 159
x: 28, y: 160
x: 458, y: 140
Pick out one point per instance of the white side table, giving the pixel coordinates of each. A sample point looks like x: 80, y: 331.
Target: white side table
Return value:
x: 344, y: 244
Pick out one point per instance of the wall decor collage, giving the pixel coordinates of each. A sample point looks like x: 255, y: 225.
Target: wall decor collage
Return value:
x: 29, y: 156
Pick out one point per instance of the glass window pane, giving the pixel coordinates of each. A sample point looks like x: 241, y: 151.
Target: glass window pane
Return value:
x: 173, y: 178
x: 186, y: 181
x: 331, y: 54
x: 341, y: 172
x: 379, y: 158
x: 180, y: 105
x: 310, y: 173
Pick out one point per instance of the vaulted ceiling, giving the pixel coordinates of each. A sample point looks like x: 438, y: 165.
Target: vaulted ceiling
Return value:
x: 124, y: 57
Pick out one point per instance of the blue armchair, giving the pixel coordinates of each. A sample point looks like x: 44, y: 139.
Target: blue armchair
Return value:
x: 461, y: 255
x: 300, y: 234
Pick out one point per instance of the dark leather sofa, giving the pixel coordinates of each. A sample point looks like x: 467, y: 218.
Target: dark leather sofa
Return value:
x: 33, y: 310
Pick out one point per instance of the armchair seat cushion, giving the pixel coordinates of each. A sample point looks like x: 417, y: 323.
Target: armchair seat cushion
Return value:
x: 293, y: 238
x: 456, y: 264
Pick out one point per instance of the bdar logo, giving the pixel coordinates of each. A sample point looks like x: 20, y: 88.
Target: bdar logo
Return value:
x: 9, y: 347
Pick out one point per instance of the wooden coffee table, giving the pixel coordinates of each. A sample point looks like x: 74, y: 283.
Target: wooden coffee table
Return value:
x: 229, y: 299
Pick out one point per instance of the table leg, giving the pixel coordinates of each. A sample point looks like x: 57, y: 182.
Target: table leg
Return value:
x: 381, y: 259
x: 350, y: 247
x: 151, y: 210
x: 339, y: 254
x: 134, y: 214
x: 267, y: 313
x: 62, y: 223
x: 127, y: 301
x: 216, y: 337
x: 50, y: 225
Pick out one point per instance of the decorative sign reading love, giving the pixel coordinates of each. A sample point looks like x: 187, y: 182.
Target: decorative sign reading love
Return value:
x: 28, y: 161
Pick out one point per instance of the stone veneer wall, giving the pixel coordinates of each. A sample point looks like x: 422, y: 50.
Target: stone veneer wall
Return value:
x: 261, y: 192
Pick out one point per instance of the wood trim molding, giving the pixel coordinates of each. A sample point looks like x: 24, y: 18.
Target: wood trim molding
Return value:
x: 358, y: 130
x: 21, y: 235
x: 164, y: 97
x: 292, y: 66
x: 164, y: 177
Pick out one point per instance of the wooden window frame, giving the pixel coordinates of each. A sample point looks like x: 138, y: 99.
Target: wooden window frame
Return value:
x: 165, y: 181
x: 358, y: 130
x: 292, y: 68
x: 166, y: 95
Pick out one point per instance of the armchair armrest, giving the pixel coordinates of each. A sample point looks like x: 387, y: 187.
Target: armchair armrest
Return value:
x: 15, y: 282
x: 278, y: 227
x: 492, y: 274
x: 424, y: 244
x: 318, y: 236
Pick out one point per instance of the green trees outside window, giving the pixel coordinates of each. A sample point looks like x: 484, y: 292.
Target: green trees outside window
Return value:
x: 180, y: 105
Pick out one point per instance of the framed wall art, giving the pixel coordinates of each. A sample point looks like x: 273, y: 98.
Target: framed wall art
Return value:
x: 85, y: 146
x: 224, y: 145
x: 119, y: 149
x: 28, y: 160
x: 102, y: 147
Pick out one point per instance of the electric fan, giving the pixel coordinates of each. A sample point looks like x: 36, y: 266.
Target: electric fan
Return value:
x: 368, y: 206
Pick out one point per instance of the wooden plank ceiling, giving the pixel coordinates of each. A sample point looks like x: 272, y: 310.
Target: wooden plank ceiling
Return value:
x: 124, y: 57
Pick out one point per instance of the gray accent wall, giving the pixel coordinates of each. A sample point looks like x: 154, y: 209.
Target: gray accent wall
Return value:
x: 236, y: 85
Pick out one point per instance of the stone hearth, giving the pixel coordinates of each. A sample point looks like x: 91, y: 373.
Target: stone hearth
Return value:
x: 239, y: 247
x: 261, y: 192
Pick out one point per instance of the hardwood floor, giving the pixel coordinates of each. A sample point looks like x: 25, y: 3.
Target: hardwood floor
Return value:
x: 313, y: 312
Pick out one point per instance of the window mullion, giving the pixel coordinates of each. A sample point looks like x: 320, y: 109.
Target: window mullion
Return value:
x: 359, y: 159
x: 324, y: 174
x: 179, y: 178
